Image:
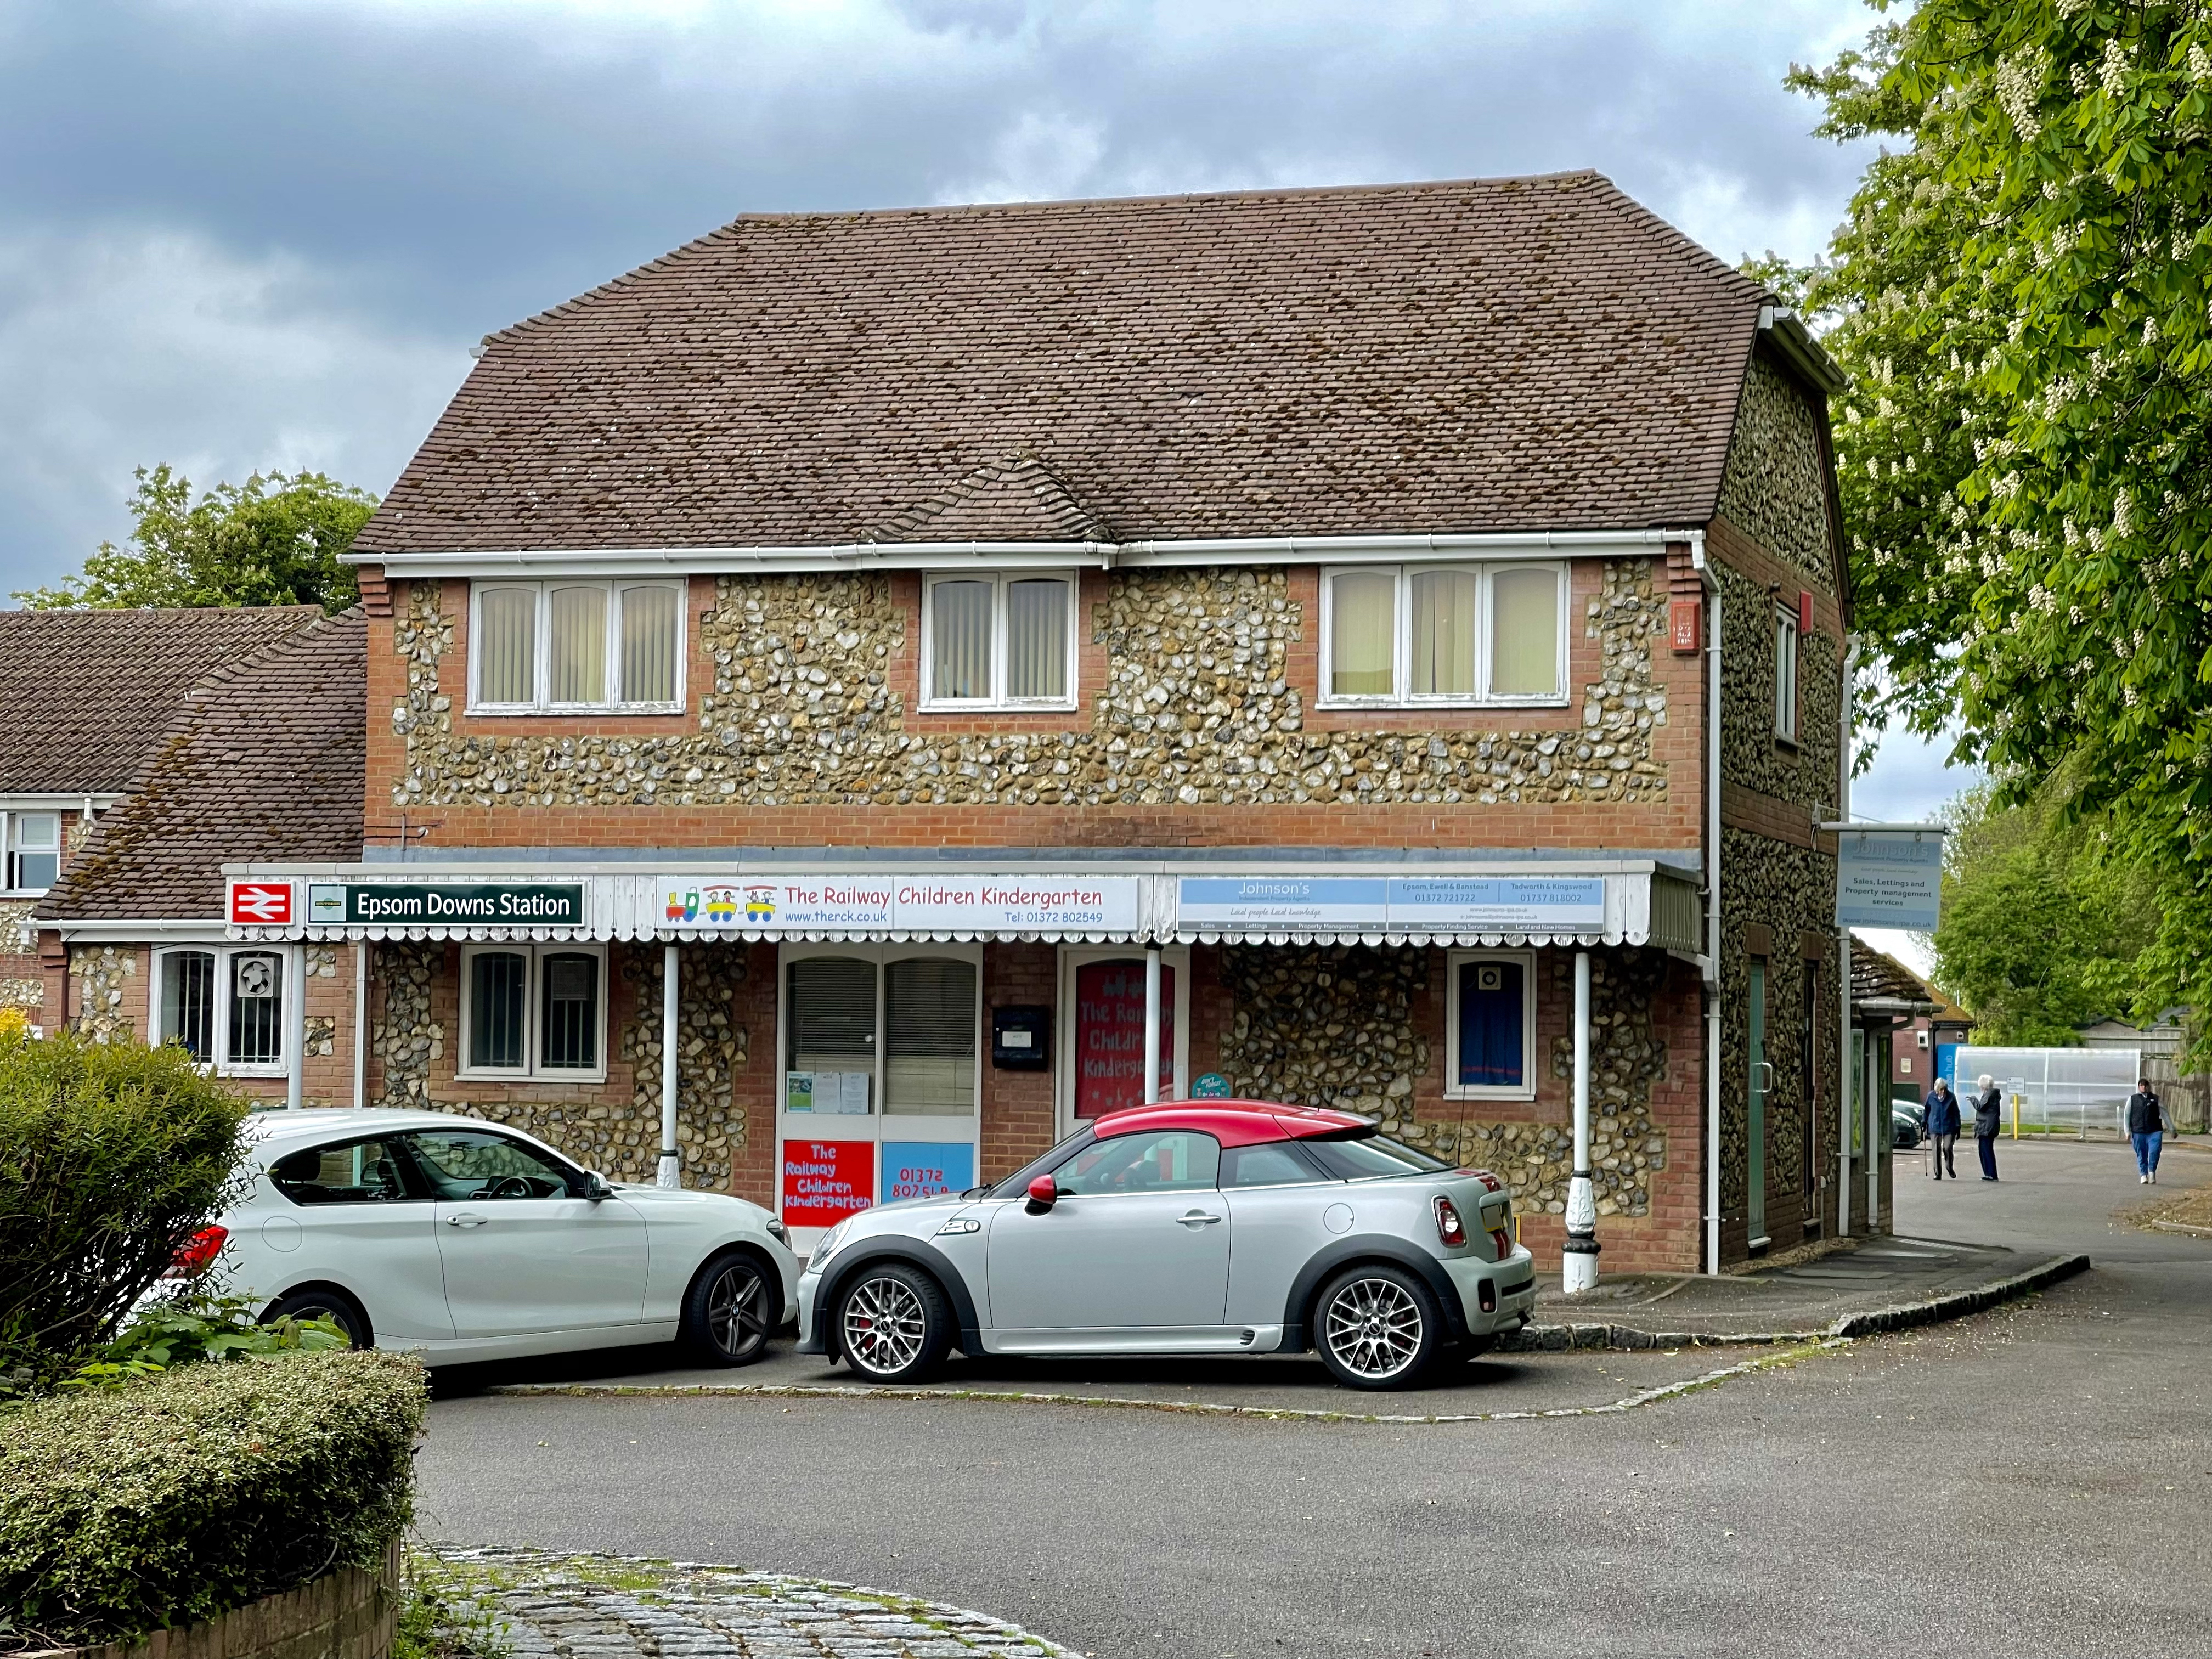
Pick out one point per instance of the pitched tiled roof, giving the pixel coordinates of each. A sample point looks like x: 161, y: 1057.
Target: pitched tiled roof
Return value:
x: 265, y: 761
x: 1016, y: 499
x: 85, y: 694
x: 1486, y: 354
x: 1878, y: 976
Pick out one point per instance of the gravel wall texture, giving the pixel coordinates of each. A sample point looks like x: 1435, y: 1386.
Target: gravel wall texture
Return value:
x: 1196, y: 706
x: 1774, y: 486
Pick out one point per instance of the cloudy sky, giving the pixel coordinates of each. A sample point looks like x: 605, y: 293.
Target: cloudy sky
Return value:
x: 242, y: 234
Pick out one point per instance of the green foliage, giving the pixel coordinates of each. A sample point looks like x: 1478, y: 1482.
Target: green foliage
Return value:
x: 2043, y: 925
x: 112, y: 1156
x: 2021, y: 292
x: 185, y: 1494
x: 442, y: 1617
x: 197, y: 1327
x: 274, y: 539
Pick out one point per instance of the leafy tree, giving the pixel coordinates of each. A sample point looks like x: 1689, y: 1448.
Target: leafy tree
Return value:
x: 2043, y: 924
x: 2022, y: 298
x: 274, y: 539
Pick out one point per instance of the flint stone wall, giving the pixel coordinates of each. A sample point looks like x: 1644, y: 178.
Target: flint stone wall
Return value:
x: 103, y: 975
x: 619, y: 1135
x: 1342, y: 1025
x: 1750, y: 755
x: 1774, y: 484
x: 1196, y: 706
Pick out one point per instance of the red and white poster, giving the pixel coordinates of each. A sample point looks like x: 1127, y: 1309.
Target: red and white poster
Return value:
x: 826, y: 1181
x: 260, y: 903
x: 1110, y: 1035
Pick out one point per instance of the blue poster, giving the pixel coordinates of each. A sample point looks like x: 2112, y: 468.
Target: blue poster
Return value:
x: 922, y: 1168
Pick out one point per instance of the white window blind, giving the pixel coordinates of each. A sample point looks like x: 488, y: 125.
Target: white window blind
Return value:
x: 832, y: 1016
x: 1524, y: 632
x: 577, y: 645
x: 649, y: 631
x: 1458, y: 634
x: 1000, y: 641
x: 507, y: 637
x: 929, y: 1039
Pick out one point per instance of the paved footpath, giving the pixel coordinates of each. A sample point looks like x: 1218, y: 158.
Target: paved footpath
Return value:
x: 589, y: 1607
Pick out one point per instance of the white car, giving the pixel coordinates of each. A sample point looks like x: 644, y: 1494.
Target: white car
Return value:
x: 463, y: 1241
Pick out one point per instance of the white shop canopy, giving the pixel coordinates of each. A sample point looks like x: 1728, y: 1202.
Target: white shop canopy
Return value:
x: 1295, y: 898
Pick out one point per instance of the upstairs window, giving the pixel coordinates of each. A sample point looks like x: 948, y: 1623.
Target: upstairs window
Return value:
x: 539, y: 647
x: 1450, y: 636
x: 32, y: 845
x: 1786, y: 639
x: 999, y: 641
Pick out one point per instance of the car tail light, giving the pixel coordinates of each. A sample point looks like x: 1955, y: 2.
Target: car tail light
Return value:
x: 1450, y: 1227
x: 1501, y: 1243
x: 197, y: 1253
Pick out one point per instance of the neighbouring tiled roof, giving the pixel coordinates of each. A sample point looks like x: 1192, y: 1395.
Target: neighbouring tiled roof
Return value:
x: 85, y: 694
x: 264, y: 763
x: 1875, y: 975
x: 1485, y: 355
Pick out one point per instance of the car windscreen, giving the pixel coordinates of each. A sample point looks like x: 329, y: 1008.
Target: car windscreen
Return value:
x: 1369, y: 1156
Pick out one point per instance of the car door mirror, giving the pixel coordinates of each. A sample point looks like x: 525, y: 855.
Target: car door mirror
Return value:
x: 1043, y: 1195
x: 592, y: 1186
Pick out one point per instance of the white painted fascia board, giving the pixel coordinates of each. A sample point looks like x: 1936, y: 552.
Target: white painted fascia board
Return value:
x: 160, y: 930
x: 54, y: 801
x: 1017, y: 555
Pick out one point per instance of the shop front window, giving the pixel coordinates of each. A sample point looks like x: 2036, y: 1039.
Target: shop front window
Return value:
x: 893, y: 1037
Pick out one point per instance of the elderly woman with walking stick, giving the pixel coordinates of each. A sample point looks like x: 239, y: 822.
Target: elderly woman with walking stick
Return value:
x: 1943, y: 1111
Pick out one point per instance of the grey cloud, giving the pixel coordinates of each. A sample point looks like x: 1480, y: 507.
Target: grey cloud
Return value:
x: 403, y: 175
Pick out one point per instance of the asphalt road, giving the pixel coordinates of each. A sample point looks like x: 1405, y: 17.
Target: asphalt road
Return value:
x: 2034, y: 1481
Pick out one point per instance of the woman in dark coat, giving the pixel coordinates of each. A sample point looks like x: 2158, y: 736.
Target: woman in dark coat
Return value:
x: 1989, y: 1103
x: 1943, y: 1111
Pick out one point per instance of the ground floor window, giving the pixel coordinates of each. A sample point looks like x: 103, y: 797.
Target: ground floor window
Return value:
x: 534, y: 1011
x: 1490, y: 1020
x: 882, y: 1033
x: 224, y: 1008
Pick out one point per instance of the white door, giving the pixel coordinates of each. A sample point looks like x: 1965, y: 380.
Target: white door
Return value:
x: 355, y: 1214
x: 1139, y: 1240
x: 519, y: 1254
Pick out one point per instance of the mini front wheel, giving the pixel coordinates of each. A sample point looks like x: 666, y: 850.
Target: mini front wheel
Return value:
x: 1377, y: 1327
x: 893, y: 1325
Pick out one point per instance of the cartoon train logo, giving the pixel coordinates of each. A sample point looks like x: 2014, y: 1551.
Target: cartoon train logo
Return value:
x: 721, y: 905
x: 760, y: 904
x: 684, y: 907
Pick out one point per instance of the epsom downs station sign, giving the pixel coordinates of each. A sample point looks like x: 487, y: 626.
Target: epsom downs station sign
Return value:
x: 481, y: 905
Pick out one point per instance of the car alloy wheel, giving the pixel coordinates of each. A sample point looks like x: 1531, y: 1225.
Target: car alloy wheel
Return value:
x: 737, y: 1311
x: 884, y: 1326
x: 1374, y: 1328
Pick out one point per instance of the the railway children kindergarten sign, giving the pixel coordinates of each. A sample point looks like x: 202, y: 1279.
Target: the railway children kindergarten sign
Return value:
x: 916, y: 903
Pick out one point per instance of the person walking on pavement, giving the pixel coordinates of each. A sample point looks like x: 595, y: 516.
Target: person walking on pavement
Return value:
x: 1941, y: 1108
x: 1989, y: 1101
x: 2147, y: 1128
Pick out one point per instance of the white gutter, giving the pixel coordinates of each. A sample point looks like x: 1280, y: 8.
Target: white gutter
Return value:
x: 1712, y: 913
x: 937, y: 556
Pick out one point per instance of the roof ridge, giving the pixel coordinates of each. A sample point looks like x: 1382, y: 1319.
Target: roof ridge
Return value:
x: 1675, y: 239
x: 729, y: 229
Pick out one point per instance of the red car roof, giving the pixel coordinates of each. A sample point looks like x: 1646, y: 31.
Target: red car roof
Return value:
x: 1232, y: 1122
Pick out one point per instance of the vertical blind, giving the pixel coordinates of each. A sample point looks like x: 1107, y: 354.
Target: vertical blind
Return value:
x: 1443, y: 633
x: 188, y: 1002
x: 578, y: 658
x: 1036, y: 640
x: 960, y: 639
x: 1524, y: 633
x: 929, y: 1037
x: 832, y: 1015
x: 1362, y: 607
x: 648, y: 644
x: 506, y: 624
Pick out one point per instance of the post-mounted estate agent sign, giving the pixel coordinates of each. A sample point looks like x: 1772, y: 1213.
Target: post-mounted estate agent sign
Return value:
x: 444, y: 904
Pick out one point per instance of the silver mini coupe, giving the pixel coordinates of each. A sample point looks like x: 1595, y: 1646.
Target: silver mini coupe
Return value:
x: 1195, y: 1227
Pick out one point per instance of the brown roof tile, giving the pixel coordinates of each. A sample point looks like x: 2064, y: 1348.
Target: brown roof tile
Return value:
x: 85, y: 694
x: 265, y: 761
x: 1485, y: 355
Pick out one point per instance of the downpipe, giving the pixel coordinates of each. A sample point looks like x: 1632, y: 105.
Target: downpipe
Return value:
x: 1712, y: 922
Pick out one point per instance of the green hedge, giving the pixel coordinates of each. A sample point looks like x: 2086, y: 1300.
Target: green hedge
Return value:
x: 111, y: 1155
x: 185, y: 1494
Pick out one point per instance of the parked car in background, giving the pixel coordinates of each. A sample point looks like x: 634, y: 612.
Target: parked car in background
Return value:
x: 1907, y: 1129
x: 468, y: 1240
x: 1191, y: 1228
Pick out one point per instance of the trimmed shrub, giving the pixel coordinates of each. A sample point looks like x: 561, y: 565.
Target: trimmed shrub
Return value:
x: 112, y: 1156
x: 185, y: 1494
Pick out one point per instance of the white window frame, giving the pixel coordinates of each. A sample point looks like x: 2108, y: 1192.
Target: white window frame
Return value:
x: 530, y: 1070
x: 1453, y: 1089
x: 1000, y: 579
x: 1065, y: 1062
x: 219, y: 1029
x: 10, y: 838
x: 541, y: 659
x: 1402, y: 658
x: 1787, y: 657
x: 881, y: 956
